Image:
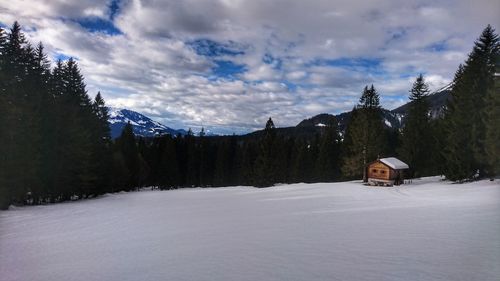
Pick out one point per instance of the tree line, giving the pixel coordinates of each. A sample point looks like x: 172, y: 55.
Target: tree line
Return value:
x: 55, y: 141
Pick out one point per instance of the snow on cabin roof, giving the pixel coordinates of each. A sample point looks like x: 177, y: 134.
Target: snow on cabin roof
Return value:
x: 394, y: 163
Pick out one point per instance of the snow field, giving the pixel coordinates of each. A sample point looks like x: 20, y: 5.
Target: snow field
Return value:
x: 429, y: 230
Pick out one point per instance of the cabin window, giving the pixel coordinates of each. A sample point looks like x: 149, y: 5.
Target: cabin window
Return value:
x: 382, y: 172
x: 374, y: 170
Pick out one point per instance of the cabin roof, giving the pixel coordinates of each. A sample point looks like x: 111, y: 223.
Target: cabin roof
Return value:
x: 394, y: 163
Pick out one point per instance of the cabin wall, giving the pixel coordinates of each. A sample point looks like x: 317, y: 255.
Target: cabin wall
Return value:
x: 378, y: 170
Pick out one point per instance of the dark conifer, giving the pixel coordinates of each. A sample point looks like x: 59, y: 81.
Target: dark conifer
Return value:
x: 168, y: 175
x: 4, y: 112
x: 416, y: 146
x: 48, y: 130
x: 127, y: 148
x: 365, y: 138
x: 492, y: 117
x: 101, y: 150
x: 467, y: 113
x: 264, y: 165
x: 223, y: 163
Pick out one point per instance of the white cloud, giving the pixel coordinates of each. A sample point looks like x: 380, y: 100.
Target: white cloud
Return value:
x: 150, y: 68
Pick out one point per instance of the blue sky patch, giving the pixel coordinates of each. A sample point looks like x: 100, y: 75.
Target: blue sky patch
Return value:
x: 114, y: 8
x: 94, y: 24
x: 62, y: 57
x: 372, y: 65
x: 211, y: 48
x: 291, y: 86
x: 227, y: 69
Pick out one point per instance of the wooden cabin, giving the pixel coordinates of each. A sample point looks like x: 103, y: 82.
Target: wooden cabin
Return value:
x: 386, y: 171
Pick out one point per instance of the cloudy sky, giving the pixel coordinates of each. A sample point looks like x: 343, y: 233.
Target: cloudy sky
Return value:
x: 228, y: 65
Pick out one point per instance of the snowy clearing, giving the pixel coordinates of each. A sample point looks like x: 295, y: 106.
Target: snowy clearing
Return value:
x: 429, y: 230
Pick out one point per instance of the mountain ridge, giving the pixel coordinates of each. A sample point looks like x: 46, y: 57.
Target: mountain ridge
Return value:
x: 392, y: 118
x: 146, y: 127
x: 142, y: 125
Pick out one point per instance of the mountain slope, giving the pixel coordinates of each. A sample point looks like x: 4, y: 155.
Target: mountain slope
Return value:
x: 392, y: 118
x: 142, y: 125
x: 436, y: 101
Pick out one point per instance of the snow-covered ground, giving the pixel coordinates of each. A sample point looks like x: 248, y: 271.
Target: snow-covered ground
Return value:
x: 429, y: 230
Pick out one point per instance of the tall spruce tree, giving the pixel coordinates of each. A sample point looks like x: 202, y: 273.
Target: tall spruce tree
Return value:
x: 223, y: 163
x: 492, y: 116
x: 416, y: 145
x: 4, y: 195
x: 101, y: 150
x: 128, y: 158
x: 193, y: 160
x: 21, y: 155
x: 281, y: 159
x: 264, y: 164
x: 166, y: 170
x: 43, y: 130
x: 457, y: 150
x: 298, y: 161
x: 75, y: 169
x: 246, y: 168
x: 365, y: 138
x: 206, y: 160
x: 467, y: 113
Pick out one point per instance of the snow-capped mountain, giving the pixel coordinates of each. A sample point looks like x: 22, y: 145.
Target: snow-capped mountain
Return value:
x: 143, y: 125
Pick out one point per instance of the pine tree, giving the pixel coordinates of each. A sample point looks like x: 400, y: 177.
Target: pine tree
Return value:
x: 15, y: 54
x: 492, y: 141
x: 281, y: 159
x: 193, y: 163
x: 223, y: 163
x: 75, y: 170
x: 457, y: 150
x: 298, y: 159
x: 416, y: 139
x: 245, y: 163
x: 467, y: 113
x: 207, y: 159
x: 4, y: 194
x: 127, y: 150
x: 370, y: 98
x: 365, y: 137
x: 438, y: 135
x: 487, y: 51
x: 42, y: 131
x: 144, y: 169
x: 264, y: 168
x: 168, y: 175
x: 101, y: 150
x: 20, y: 158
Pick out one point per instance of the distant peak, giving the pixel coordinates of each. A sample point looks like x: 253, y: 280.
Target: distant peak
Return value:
x: 142, y: 125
